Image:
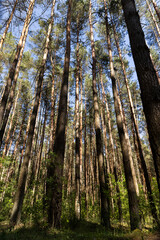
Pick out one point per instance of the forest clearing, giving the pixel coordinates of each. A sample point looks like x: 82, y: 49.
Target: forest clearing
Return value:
x: 80, y: 119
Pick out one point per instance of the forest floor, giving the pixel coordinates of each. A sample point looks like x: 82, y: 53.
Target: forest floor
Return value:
x: 81, y: 231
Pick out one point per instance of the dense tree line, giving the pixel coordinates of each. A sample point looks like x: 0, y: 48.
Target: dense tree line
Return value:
x: 79, y: 124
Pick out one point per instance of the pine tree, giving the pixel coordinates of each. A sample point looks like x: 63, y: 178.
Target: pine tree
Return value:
x: 55, y: 168
x: 105, y: 205
x: 17, y: 208
x: 148, y: 80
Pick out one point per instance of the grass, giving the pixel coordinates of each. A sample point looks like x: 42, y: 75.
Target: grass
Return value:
x: 82, y: 231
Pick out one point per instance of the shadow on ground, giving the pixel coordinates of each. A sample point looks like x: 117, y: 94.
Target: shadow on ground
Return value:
x: 81, y: 231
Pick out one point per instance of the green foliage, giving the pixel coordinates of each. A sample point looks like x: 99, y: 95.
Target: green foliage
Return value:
x: 6, y: 190
x: 155, y: 192
x: 68, y: 218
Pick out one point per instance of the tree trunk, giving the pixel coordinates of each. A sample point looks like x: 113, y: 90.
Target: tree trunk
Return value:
x: 85, y: 156
x: 55, y: 168
x: 52, y: 99
x: 156, y: 9
x: 20, y: 132
x: 81, y: 129
x: 39, y: 157
x: 14, y: 64
x: 153, y: 18
x: 149, y: 85
x: 105, y: 211
x: 8, y: 24
x: 133, y: 201
x: 11, y: 122
x: 13, y: 88
x: 155, y: 34
x: 17, y: 207
x: 141, y: 154
x: 77, y: 138
x: 115, y: 164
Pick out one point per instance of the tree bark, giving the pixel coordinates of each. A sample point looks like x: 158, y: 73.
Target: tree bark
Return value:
x: 11, y: 122
x: 39, y: 157
x: 81, y: 129
x: 77, y: 137
x: 17, y: 207
x: 8, y: 24
x: 105, y: 206
x: 13, y: 88
x: 141, y: 154
x: 153, y: 18
x: 149, y: 85
x: 115, y: 164
x: 156, y: 9
x: 52, y: 99
x: 14, y: 64
x: 55, y: 168
x: 131, y: 188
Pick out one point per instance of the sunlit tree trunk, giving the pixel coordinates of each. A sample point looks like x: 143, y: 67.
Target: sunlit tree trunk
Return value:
x: 115, y: 163
x: 105, y: 211
x: 81, y: 128
x: 141, y: 154
x: 11, y: 122
x: 132, y: 195
x: 25, y: 137
x: 77, y: 137
x: 53, y: 62
x: 20, y: 133
x: 156, y: 8
x: 155, y: 33
x: 55, y: 168
x: 13, y: 88
x: 85, y: 155
x: 8, y: 24
x: 39, y: 158
x: 12, y: 135
x: 149, y: 85
x: 17, y: 207
x: 14, y: 64
x: 153, y: 18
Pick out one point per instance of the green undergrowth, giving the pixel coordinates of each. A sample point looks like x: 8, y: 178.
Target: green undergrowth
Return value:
x: 81, y: 231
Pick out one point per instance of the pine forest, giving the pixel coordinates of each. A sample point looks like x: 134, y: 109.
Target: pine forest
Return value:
x: 80, y: 119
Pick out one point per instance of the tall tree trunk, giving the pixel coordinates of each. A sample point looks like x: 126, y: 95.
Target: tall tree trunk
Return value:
x: 55, y: 168
x: 52, y: 99
x: 17, y: 207
x: 156, y: 9
x: 77, y: 138
x: 8, y: 24
x: 85, y: 154
x: 91, y: 159
x: 141, y: 154
x: 149, y: 85
x: 11, y: 122
x: 13, y: 88
x: 39, y: 157
x: 20, y: 131
x: 26, y: 134
x: 155, y: 33
x: 105, y: 208
x: 14, y: 64
x: 153, y: 18
x: 133, y: 201
x: 115, y: 164
x: 108, y: 169
x: 121, y: 107
x: 13, y: 133
x: 81, y: 128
